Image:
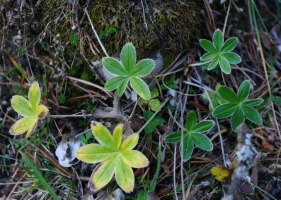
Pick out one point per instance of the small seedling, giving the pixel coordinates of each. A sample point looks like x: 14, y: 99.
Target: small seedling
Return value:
x: 116, y: 157
x: 156, y: 121
x: 74, y: 37
x: 108, y: 31
x: 30, y: 110
x: 219, y: 53
x: 169, y: 83
x: 86, y: 137
x: 193, y: 135
x: 128, y: 71
x: 238, y: 106
x: 154, y: 104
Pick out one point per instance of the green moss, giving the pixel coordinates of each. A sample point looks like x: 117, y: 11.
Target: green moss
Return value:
x: 171, y: 26
x: 167, y: 25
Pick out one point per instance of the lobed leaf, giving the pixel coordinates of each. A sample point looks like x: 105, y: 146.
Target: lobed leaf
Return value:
x: 208, y: 56
x: 187, y: 147
x: 224, y: 65
x: 252, y: 102
x: 218, y: 39
x: 102, y: 134
x: 128, y: 57
x: 237, y: 118
x: 214, y: 63
x: 174, y: 137
x: 203, y: 126
x: 224, y: 110
x: 115, y: 82
x: 140, y: 87
x: 117, y: 135
x: 252, y: 114
x: 23, y: 125
x: 190, y: 121
x: 231, y: 57
x: 228, y: 94
x: 143, y: 68
x: 22, y: 106
x: 124, y: 176
x: 129, y: 143
x: 114, y: 66
x: 104, y: 172
x: 243, y: 91
x: 94, y: 153
x: 121, y: 88
x: 229, y: 44
x: 202, y: 141
x: 208, y: 46
x: 34, y: 95
x: 134, y: 159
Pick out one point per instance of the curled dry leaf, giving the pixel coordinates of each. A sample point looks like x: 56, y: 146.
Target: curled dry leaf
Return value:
x: 66, y: 151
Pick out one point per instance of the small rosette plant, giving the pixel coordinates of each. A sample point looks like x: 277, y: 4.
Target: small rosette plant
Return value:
x: 219, y: 52
x: 115, y: 156
x: 237, y: 106
x: 30, y: 110
x: 128, y: 71
x: 192, y: 135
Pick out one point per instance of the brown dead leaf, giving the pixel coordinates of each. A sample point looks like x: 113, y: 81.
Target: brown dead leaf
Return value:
x: 266, y: 146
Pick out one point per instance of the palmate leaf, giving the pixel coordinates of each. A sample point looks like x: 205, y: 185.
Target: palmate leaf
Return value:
x: 231, y: 57
x: 229, y: 44
x: 224, y: 64
x: 116, y: 157
x: 143, y: 68
x: 243, y: 91
x: 214, y: 63
x: 24, y: 124
x: 192, y: 135
x: 114, y: 66
x: 30, y: 110
x: 238, y: 106
x: 228, y: 94
x: 174, y: 137
x: 202, y: 141
x: 224, y: 110
x: 218, y: 39
x: 141, y: 88
x: 218, y: 53
x: 128, y: 71
x: 237, y: 118
x: 190, y: 121
x: 187, y: 147
x: 253, y: 102
x: 22, y: 106
x: 203, y: 126
x: 208, y: 46
x: 128, y: 57
x: 252, y: 114
x: 115, y: 82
